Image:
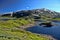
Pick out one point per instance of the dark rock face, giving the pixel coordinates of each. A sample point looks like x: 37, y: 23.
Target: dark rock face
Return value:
x: 36, y: 17
x: 21, y: 14
x: 6, y: 15
x: 46, y: 24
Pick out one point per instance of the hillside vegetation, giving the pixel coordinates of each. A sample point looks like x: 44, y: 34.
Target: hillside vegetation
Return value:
x: 12, y: 24
x: 15, y: 34
x: 9, y: 31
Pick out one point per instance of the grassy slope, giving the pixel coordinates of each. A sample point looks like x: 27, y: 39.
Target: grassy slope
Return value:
x: 58, y: 19
x: 14, y: 23
x: 19, y: 35
x: 8, y: 31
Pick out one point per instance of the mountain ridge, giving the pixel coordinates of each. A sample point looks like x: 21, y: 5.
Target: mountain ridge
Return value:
x: 41, y: 12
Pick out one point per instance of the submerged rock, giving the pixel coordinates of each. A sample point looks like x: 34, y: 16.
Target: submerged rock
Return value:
x: 47, y: 24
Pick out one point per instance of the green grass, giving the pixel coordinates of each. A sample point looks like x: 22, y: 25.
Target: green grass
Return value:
x: 56, y: 19
x: 14, y: 23
x: 8, y: 31
x: 14, y: 34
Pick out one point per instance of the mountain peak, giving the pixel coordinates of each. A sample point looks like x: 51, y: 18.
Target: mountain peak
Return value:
x: 44, y: 9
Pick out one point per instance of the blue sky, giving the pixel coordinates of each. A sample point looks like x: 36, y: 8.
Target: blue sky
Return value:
x: 14, y: 5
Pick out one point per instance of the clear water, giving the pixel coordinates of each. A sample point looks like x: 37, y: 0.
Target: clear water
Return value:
x: 53, y: 31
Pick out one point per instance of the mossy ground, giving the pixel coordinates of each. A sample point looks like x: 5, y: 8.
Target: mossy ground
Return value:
x: 8, y: 31
x: 58, y: 19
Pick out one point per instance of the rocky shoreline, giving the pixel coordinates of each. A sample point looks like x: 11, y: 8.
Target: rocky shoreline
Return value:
x: 31, y: 25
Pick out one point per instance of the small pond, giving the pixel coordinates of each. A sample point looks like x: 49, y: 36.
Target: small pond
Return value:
x: 53, y: 31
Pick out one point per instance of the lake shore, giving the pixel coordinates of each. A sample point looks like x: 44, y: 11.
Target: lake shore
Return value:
x: 32, y: 25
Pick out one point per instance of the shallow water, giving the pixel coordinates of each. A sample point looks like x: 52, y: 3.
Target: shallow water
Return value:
x: 53, y: 31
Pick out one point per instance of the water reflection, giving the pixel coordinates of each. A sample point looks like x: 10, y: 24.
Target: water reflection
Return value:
x: 54, y: 30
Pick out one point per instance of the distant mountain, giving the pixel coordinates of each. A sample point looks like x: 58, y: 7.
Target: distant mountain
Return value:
x: 35, y: 12
x: 46, y: 12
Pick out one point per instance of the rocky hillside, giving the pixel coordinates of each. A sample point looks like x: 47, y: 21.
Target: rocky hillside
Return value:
x: 35, y: 12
